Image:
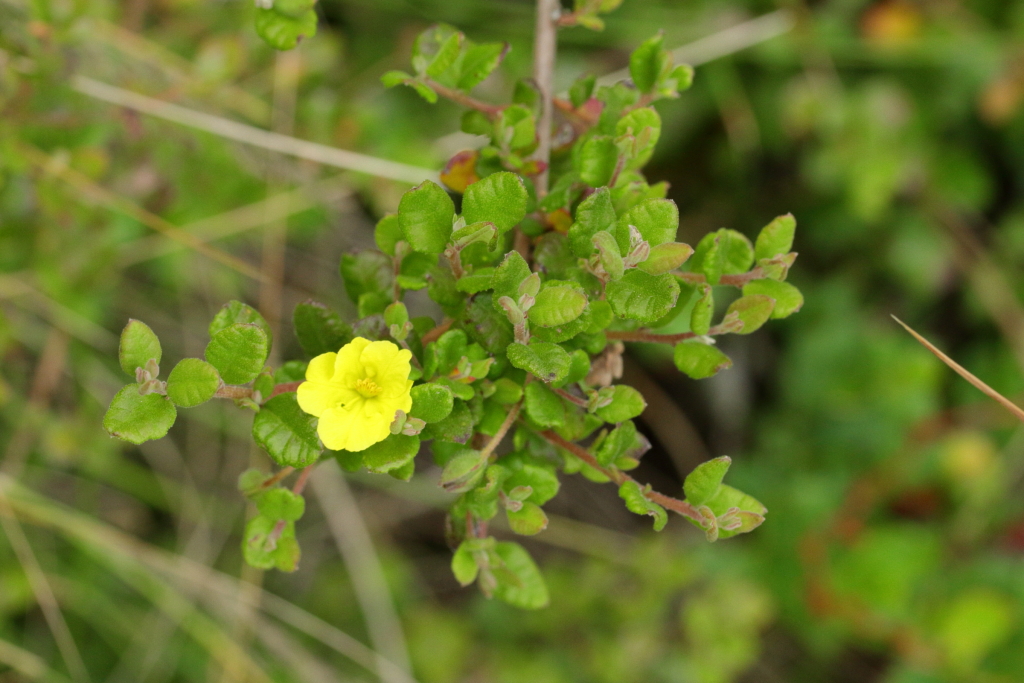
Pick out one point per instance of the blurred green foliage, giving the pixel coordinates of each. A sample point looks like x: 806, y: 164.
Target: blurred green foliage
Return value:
x: 893, y: 551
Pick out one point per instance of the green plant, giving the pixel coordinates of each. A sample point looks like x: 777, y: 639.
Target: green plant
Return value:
x: 559, y: 251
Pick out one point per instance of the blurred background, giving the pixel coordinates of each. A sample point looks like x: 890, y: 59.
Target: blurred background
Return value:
x: 894, y: 547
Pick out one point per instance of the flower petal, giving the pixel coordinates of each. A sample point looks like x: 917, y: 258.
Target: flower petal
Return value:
x: 317, y: 397
x: 355, y: 427
x: 348, y: 362
x: 321, y: 368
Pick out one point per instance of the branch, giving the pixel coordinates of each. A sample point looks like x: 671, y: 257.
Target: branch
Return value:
x: 434, y: 334
x: 581, y: 402
x: 732, y: 280
x: 459, y: 97
x: 620, y: 477
x: 502, y: 431
x: 545, y: 45
x: 650, y: 337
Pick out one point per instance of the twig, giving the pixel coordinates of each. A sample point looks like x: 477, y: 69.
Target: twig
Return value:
x: 620, y: 477
x: 581, y: 402
x: 502, y: 431
x: 435, y: 334
x: 737, y: 280
x: 278, y: 476
x: 649, y: 337
x: 459, y: 97
x: 284, y: 388
x: 545, y: 46
x: 355, y: 545
x: 250, y: 135
x: 963, y: 372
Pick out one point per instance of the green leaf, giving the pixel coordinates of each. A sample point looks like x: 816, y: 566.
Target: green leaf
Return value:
x: 388, y: 233
x: 447, y: 52
x: 647, y: 63
x: 581, y: 90
x: 529, y: 520
x: 638, y: 503
x: 543, y: 406
x: 558, y: 304
x: 683, y: 76
x: 625, y: 403
x: 506, y: 392
x: 463, y: 471
x: 500, y: 198
x: 431, y: 402
x: 476, y: 282
x: 516, y: 128
x: 699, y: 361
x: 393, y: 78
x: 507, y: 278
x: 597, y: 159
x: 293, y: 8
x: 236, y: 312
x: 367, y: 272
x: 666, y: 257
x: 425, y: 214
x: 282, y: 32
x: 139, y: 344
x: 611, y: 258
x: 524, y: 586
x: 788, y: 299
x: 776, y: 237
x: 319, y: 329
x: 656, y: 219
x: 703, y: 310
x: 138, y: 418
x: 464, y: 565
x: 541, y: 479
x: 622, y: 441
x: 238, y: 352
x: 579, y: 368
x: 278, y: 503
x: 286, y: 433
x: 424, y: 91
x: 595, y: 213
x: 702, y: 483
x: 753, y: 310
x: 642, y: 297
x: 390, y: 454
x: 645, y: 126
x: 191, y: 382
x: 547, y: 361
x: 456, y: 428
x: 709, y: 258
x: 488, y: 328
x: 479, y: 62
x: 751, y: 515
x: 261, y: 552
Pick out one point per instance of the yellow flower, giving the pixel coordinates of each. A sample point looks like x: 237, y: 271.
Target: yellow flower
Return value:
x: 356, y: 393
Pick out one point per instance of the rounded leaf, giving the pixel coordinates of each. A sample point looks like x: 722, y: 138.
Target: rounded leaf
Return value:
x: 521, y: 583
x: 558, y: 305
x: 425, y: 214
x: 238, y: 352
x: 191, y: 382
x: 500, y: 198
x: 138, y: 345
x: 283, y: 32
x: 236, y: 312
x: 547, y: 361
x: 700, y: 360
x: 431, y: 402
x: 286, y: 433
x: 642, y: 297
x: 137, y: 418
x: 788, y: 299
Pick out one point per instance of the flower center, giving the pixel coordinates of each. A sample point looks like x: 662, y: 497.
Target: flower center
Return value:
x: 367, y: 388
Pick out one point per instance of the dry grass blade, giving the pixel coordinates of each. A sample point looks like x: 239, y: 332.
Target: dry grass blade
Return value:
x: 250, y: 135
x: 963, y: 372
x: 29, y: 665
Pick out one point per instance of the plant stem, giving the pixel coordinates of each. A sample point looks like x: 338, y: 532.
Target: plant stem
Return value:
x: 434, y: 334
x: 620, y: 477
x: 300, y: 484
x: 462, y: 98
x: 232, y: 391
x: 278, y: 476
x: 733, y: 280
x: 285, y: 388
x: 650, y: 337
x: 581, y: 402
x: 545, y: 45
x: 502, y: 431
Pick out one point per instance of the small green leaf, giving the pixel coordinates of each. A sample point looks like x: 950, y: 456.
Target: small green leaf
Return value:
x: 431, y: 402
x: 581, y: 90
x: 524, y: 587
x: 611, y: 258
x: 456, y: 428
x: 753, y: 310
x: 393, y: 78
x: 700, y: 360
x: 709, y: 257
x: 597, y: 160
x: 666, y: 257
x: 447, y: 52
x: 516, y: 128
x: 500, y: 198
x: 541, y: 480
x: 507, y: 278
x: 263, y: 552
x: 644, y: 124
x: 788, y: 299
x: 703, y: 310
x: 656, y: 219
x: 702, y: 483
x: 647, y: 63
x: 479, y: 280
x: 683, y: 76
x: 625, y: 403
x: 642, y: 297
x: 293, y: 8
x: 367, y: 272
x: 236, y: 312
x: 388, y: 233
x: 464, y: 565
x: 776, y: 238
x: 638, y: 503
x: 424, y: 91
x: 543, y: 406
x: 282, y: 32
x: 425, y: 213
x: 286, y: 433
x: 278, y: 503
x: 528, y: 520
x: 138, y: 418
x: 463, y: 471
x: 191, y: 382
x: 390, y: 454
x: 479, y: 62
x: 139, y: 344
x: 506, y: 392
x: 319, y: 329
x: 751, y: 510
x: 238, y: 352
x: 595, y: 213
x: 558, y: 304
x: 547, y: 361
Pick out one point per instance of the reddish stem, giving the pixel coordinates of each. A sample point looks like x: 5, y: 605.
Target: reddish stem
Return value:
x: 732, y: 280
x: 434, y: 334
x: 650, y: 337
x: 581, y: 402
x: 462, y: 98
x: 620, y: 477
x: 285, y: 388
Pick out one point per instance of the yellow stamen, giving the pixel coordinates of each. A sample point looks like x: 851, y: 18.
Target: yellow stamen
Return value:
x: 367, y: 388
